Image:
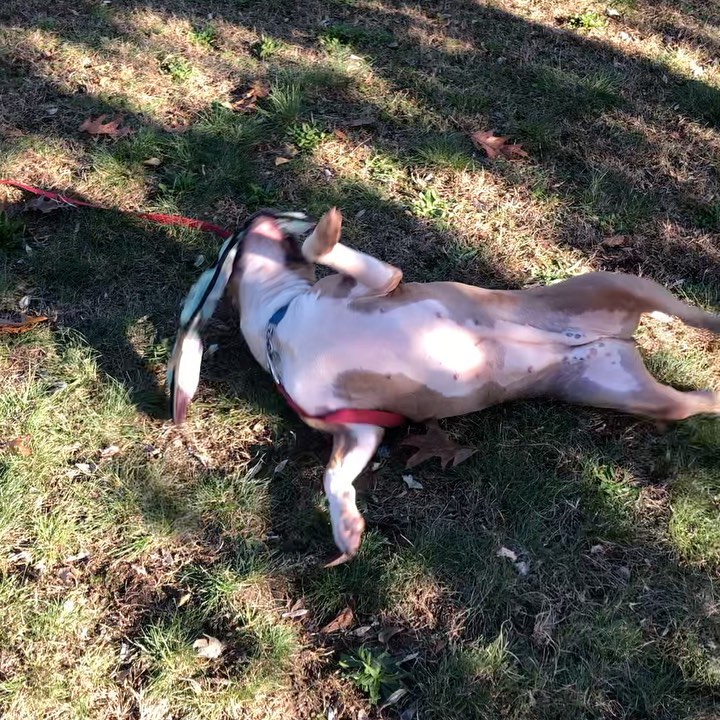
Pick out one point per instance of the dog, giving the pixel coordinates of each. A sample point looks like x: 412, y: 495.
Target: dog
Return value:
x: 359, y: 350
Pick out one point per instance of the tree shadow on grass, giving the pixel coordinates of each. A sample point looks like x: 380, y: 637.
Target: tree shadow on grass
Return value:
x: 607, y: 617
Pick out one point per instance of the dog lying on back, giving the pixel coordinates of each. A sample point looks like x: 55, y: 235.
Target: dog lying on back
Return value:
x: 360, y: 341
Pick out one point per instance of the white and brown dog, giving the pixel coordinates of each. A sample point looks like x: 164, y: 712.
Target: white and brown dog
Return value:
x: 358, y: 350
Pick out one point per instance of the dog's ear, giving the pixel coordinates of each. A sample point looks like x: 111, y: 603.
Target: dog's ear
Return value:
x: 325, y: 235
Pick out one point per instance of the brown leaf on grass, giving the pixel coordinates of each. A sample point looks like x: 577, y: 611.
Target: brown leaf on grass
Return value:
x: 615, y: 241
x: 362, y: 121
x: 496, y: 146
x: 20, y: 326
x: 342, y: 622
x: 385, y: 635
x: 19, y: 445
x: 44, y: 204
x: 436, y: 443
x: 281, y: 161
x: 247, y: 101
x: 98, y: 127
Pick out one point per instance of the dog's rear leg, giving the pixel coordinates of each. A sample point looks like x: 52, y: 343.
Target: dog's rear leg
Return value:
x: 323, y: 247
x: 353, y: 447
x: 612, y: 375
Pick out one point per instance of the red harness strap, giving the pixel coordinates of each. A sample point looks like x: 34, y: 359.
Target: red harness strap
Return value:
x: 347, y: 415
x: 354, y: 416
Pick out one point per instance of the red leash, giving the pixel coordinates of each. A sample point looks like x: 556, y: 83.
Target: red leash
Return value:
x: 161, y: 218
x: 346, y: 415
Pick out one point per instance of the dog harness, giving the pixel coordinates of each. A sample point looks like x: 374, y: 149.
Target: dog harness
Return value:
x: 200, y: 305
x: 381, y: 418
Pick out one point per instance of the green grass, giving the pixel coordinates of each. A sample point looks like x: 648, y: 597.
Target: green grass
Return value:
x: 178, y: 68
x: 113, y: 565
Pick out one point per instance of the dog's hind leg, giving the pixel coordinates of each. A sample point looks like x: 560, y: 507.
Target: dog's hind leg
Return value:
x: 323, y: 246
x: 611, y: 374
x: 353, y: 447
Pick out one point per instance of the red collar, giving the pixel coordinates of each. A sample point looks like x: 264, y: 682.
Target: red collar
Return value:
x: 352, y: 416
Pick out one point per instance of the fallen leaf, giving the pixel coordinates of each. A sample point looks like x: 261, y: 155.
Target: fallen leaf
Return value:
x: 436, y: 443
x: 342, y: 622
x: 294, y: 614
x: 362, y: 121
x: 496, y: 146
x: 44, y: 204
x: 19, y: 445
x: 439, y: 646
x: 84, y: 468
x: 208, y: 647
x: 522, y: 567
x: 504, y: 552
x: 411, y: 482
x: 183, y: 599
x: 362, y: 631
x: 109, y: 451
x: 281, y: 161
x: 409, y: 713
x: 280, y: 467
x: 20, y: 326
x: 398, y: 695
x: 153, y: 162
x: 409, y: 657
x: 615, y: 241
x: 67, y: 575
x: 385, y: 635
x: 247, y: 100
x: 76, y: 558
x: 98, y: 127
x: 340, y: 134
x: 21, y: 557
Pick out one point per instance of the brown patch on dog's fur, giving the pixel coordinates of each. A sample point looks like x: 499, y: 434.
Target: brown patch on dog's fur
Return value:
x: 344, y: 442
x: 294, y: 259
x: 335, y: 286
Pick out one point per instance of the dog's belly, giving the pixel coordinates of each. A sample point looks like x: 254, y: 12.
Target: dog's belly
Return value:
x: 415, y: 360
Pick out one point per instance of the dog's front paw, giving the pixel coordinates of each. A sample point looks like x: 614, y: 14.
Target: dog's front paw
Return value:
x: 348, y: 526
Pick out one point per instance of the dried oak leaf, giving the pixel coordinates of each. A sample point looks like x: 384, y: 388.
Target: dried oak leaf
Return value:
x: 19, y: 445
x: 98, y: 127
x: 342, y: 622
x: 436, y: 443
x: 615, y: 241
x: 247, y: 100
x: 496, y: 146
x: 20, y: 326
x: 44, y: 204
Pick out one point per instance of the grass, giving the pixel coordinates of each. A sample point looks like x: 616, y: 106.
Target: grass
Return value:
x: 123, y: 540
